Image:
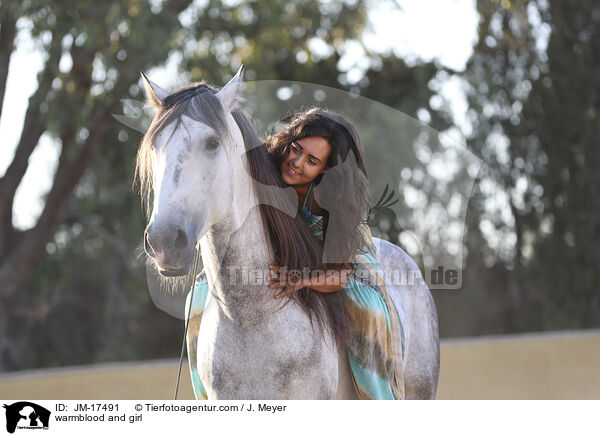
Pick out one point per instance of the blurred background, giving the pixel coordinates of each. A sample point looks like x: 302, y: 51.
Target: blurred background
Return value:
x: 516, y: 83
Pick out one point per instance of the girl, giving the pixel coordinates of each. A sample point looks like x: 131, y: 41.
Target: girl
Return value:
x: 320, y: 156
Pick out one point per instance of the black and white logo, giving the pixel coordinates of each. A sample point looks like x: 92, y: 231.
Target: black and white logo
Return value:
x: 26, y: 415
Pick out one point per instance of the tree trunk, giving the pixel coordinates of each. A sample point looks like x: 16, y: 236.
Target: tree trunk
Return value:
x: 8, y: 30
x: 33, y: 128
x: 17, y: 266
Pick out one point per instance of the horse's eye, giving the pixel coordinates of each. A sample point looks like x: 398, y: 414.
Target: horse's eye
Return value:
x: 212, y: 144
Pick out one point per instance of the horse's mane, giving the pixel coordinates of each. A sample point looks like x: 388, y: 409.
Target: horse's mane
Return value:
x: 290, y: 238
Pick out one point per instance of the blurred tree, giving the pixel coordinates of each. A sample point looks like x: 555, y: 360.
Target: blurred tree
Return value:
x: 562, y: 120
x: 107, y: 43
x: 72, y: 289
x: 497, y: 77
x: 534, y: 113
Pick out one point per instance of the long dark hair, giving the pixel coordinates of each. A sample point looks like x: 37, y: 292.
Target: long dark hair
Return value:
x: 347, y: 190
x: 292, y: 241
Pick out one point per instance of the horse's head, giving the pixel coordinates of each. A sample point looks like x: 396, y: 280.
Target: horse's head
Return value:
x: 187, y: 165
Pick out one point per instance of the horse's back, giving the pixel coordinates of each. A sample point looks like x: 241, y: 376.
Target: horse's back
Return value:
x: 418, y: 316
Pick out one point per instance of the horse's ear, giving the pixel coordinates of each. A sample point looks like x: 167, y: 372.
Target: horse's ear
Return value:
x: 228, y: 94
x: 154, y: 93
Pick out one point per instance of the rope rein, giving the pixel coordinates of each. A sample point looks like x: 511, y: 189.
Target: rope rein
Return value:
x: 187, y: 321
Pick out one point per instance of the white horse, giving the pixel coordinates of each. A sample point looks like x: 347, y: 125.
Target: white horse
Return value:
x: 250, y: 345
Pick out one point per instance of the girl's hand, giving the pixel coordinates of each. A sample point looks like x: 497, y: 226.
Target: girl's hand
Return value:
x: 289, y: 282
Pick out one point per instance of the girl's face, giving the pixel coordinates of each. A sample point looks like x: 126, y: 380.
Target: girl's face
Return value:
x: 306, y: 160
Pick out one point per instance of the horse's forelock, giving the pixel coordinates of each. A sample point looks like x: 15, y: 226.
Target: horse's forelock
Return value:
x: 197, y: 101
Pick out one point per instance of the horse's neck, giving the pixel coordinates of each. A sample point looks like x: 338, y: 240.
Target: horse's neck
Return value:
x: 236, y: 256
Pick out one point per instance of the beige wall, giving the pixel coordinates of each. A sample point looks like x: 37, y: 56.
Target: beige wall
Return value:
x: 533, y: 366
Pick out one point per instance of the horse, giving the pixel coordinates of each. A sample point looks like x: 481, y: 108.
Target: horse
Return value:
x: 250, y: 345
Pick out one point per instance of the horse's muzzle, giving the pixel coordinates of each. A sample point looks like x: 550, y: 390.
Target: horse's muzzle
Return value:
x: 170, y: 248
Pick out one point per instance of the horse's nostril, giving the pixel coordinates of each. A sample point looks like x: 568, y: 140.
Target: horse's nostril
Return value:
x: 147, y: 246
x: 181, y: 241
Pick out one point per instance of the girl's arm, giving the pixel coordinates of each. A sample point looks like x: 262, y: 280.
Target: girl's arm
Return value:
x: 326, y: 281
x: 329, y: 281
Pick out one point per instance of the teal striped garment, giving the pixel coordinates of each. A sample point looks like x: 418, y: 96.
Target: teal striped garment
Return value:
x: 376, y: 345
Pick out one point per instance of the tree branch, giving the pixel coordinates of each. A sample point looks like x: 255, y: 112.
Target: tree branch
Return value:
x: 17, y: 267
x: 32, y: 131
x: 8, y: 31
x: 177, y: 6
x: 33, y: 128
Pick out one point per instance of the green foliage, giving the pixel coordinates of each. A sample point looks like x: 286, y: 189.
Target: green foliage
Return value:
x: 86, y: 300
x: 543, y: 101
x: 562, y: 113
